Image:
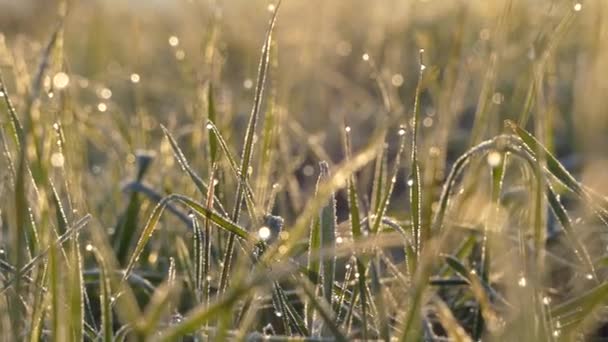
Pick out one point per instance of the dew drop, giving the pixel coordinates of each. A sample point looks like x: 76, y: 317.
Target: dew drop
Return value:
x: 209, y: 126
x: 347, y: 129
x: 365, y: 57
x: 546, y: 300
x: 271, y: 8
x: 283, y: 249
x: 308, y: 170
x: 1, y: 94
x: 494, y: 159
x: 589, y: 276
x: 248, y: 83
x: 89, y: 247
x: 401, y: 131
x: 278, y: 314
x: 522, y: 282
x: 410, y: 182
x: 173, y: 41
x: 427, y: 122
x: 422, y: 67
x: 105, y: 93
x: 498, y: 98
x: 339, y: 240
x: 57, y: 159
x: 397, y: 80
x: 578, y: 6
x: 61, y: 80
x: 264, y: 233
x: 135, y: 78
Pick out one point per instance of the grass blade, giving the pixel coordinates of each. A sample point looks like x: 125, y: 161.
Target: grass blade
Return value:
x: 197, y: 208
x: 105, y: 295
x: 327, y: 226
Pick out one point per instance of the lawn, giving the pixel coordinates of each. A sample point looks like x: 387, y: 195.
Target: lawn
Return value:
x: 204, y: 170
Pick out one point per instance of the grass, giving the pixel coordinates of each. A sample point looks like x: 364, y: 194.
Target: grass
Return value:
x: 451, y: 212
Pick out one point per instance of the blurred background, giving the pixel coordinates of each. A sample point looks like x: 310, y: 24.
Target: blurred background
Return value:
x: 132, y: 65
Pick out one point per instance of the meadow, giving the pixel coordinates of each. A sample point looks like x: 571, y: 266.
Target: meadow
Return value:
x: 203, y: 170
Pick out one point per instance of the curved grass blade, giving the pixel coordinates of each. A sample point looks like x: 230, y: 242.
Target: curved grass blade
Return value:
x: 581, y: 308
x: 197, y: 208
x: 183, y: 162
x: 557, y: 170
x: 385, y: 200
x: 249, y: 197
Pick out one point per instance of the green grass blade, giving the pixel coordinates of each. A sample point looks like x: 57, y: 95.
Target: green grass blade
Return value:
x: 378, y: 296
x: 212, y: 117
x: 183, y: 162
x: 105, y: 296
x: 327, y: 225
x: 557, y: 170
x: 248, y: 146
x: 323, y: 308
x: 160, y: 304
x: 197, y: 208
x: 414, y: 180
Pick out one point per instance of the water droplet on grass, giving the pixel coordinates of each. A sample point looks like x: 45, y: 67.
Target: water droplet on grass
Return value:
x: 578, y: 6
x: 105, y: 93
x: 522, y: 282
x: 135, y: 78
x: 264, y: 233
x: 248, y: 83
x: 494, y: 159
x: 61, y: 80
x: 397, y: 80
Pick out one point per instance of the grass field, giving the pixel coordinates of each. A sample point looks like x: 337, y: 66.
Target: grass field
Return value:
x: 303, y: 171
